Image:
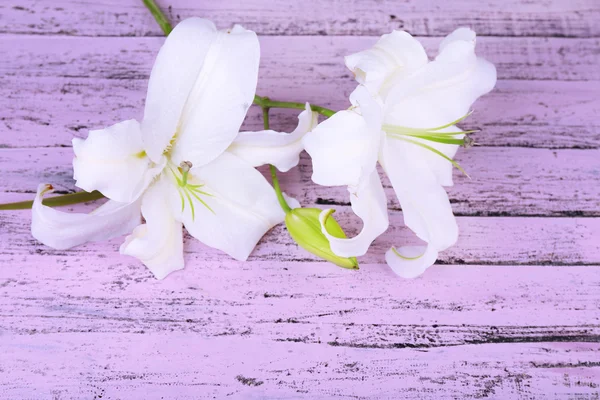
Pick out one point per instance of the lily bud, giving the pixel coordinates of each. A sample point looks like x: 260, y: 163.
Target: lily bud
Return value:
x: 304, y: 227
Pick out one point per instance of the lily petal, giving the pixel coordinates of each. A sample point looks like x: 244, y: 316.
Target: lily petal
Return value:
x: 425, y: 204
x: 439, y: 166
x: 277, y: 148
x: 369, y: 203
x: 411, y: 261
x: 460, y: 34
x: 443, y: 90
x: 344, y: 147
x: 396, y: 53
x: 61, y: 230
x: 177, y: 67
x: 232, y: 210
x: 159, y: 242
x: 219, y: 99
x: 113, y: 162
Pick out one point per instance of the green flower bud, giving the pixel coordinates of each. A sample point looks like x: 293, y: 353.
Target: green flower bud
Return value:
x: 305, y: 228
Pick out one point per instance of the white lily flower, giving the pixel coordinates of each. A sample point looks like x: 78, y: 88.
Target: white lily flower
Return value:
x: 404, y: 114
x: 182, y: 164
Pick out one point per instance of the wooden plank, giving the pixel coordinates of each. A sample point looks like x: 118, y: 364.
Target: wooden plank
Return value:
x: 157, y: 366
x: 317, y: 302
x: 310, y: 17
x: 491, y: 240
x: 504, y: 181
x: 131, y: 58
x: 45, y: 92
x: 50, y: 112
x: 298, y: 327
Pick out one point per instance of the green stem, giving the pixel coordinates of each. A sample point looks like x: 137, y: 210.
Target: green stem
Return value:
x: 160, y: 18
x: 266, y: 102
x: 66, y: 199
x: 284, y: 205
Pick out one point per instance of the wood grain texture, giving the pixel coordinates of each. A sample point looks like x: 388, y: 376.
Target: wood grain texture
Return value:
x: 50, y: 112
x: 526, y: 58
x: 294, y: 330
x: 511, y: 312
x: 504, y: 181
x: 491, y: 240
x: 123, y: 366
x: 309, y: 17
x: 57, y: 88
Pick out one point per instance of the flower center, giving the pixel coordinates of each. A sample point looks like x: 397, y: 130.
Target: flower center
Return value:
x: 186, y: 189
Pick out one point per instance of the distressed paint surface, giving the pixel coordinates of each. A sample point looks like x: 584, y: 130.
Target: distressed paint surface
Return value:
x: 511, y: 312
x: 574, y: 18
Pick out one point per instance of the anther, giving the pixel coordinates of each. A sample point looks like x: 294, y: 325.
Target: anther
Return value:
x: 468, y: 142
x: 185, y: 169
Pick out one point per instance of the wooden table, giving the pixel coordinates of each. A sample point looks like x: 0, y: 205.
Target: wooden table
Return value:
x: 511, y: 312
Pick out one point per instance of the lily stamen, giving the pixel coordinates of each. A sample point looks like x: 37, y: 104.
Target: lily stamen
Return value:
x: 187, y: 190
x: 185, y: 167
x: 412, y: 135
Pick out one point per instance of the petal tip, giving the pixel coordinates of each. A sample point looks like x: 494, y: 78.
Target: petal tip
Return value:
x: 411, y: 265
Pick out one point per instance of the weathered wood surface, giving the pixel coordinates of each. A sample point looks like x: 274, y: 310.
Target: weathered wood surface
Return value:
x: 492, y: 240
x: 504, y: 181
x: 552, y: 114
x: 574, y: 18
x: 305, y: 330
x: 514, y: 312
x: 190, y: 366
x: 548, y: 92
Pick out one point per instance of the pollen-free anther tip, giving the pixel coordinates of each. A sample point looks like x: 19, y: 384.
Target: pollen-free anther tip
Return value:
x: 186, y: 165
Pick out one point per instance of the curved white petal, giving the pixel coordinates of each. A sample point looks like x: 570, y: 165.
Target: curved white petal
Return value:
x: 344, y: 148
x: 463, y: 34
x: 159, y: 242
x: 394, y: 54
x: 369, y: 203
x: 219, y: 98
x: 238, y: 205
x: 277, y: 148
x: 369, y: 106
x: 411, y: 261
x: 113, y: 161
x: 61, y: 230
x: 175, y: 71
x: 443, y: 90
x: 440, y: 167
x: 425, y: 204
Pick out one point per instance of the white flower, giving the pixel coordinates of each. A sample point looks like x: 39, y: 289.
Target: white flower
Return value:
x: 182, y: 165
x: 404, y: 114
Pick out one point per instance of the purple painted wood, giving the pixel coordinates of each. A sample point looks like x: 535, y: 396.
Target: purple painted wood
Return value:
x: 514, y: 313
x: 547, y: 92
x: 574, y: 18
x: 504, y: 181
